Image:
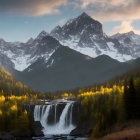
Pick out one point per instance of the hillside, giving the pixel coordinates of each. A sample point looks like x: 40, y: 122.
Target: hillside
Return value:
x: 10, y: 86
x: 68, y: 69
x: 109, y: 107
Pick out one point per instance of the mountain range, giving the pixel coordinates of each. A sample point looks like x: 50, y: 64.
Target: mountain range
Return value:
x: 77, y: 54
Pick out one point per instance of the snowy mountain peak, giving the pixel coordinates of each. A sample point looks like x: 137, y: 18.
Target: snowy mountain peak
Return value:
x: 84, y: 14
x: 81, y: 17
x: 130, y: 43
x: 131, y: 33
x: 75, y: 29
x: 83, y: 21
x: 82, y: 34
x: 56, y: 29
x: 85, y: 34
x: 30, y: 41
x: 127, y: 34
x: 42, y: 34
x: 2, y: 40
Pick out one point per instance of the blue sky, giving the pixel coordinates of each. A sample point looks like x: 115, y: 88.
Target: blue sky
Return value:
x: 22, y: 19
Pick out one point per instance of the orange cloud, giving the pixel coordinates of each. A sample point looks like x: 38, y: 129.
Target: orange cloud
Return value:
x: 112, y: 10
x: 31, y: 7
x: 125, y: 26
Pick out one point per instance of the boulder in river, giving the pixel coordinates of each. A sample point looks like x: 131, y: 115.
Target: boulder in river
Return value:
x: 83, y: 129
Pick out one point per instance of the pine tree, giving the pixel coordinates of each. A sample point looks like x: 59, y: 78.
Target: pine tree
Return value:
x: 130, y: 100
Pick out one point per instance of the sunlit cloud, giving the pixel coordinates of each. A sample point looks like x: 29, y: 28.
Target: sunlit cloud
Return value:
x: 103, y: 10
x: 31, y: 7
x: 104, y: 3
x: 111, y: 10
x: 125, y: 26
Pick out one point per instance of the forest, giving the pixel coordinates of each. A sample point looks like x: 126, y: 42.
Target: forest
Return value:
x: 14, y: 95
x: 107, y: 105
x: 111, y: 104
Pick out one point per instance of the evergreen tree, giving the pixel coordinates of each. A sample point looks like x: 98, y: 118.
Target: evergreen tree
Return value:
x: 130, y: 100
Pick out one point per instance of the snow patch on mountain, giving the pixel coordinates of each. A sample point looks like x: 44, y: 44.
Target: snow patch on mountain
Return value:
x: 51, y: 63
x: 85, y: 35
x: 82, y: 34
x: 22, y: 55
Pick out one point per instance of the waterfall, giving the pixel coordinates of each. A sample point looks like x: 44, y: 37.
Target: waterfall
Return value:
x: 43, y: 110
x: 37, y: 113
x: 71, y: 111
x: 55, y: 113
x: 63, y: 126
x: 44, y: 118
x: 63, y: 117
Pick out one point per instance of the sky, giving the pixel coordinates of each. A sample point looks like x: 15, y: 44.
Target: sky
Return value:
x: 23, y: 19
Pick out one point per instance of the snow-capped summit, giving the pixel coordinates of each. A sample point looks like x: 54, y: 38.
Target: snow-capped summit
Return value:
x: 77, y: 27
x: 128, y: 34
x: 83, y: 34
x: 2, y: 40
x: 19, y: 56
x: 84, y: 14
x: 56, y: 28
x: 86, y: 35
x: 42, y: 34
x: 79, y: 31
x: 130, y: 41
x: 30, y: 41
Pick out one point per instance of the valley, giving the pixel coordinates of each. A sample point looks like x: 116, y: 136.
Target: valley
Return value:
x: 74, y: 83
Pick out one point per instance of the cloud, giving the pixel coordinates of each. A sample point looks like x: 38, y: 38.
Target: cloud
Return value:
x: 31, y: 7
x: 104, y: 3
x: 125, y: 26
x: 62, y: 21
x: 102, y: 10
x: 112, y: 10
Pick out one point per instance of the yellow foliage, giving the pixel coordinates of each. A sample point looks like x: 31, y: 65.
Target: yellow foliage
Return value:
x: 13, y: 97
x: 14, y: 108
x: 2, y: 98
x: 0, y: 112
x: 67, y: 95
x: 103, y: 90
x: 25, y: 112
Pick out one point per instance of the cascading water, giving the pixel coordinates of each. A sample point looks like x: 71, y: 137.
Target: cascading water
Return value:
x: 43, y: 110
x: 64, y: 124
x: 63, y: 118
x: 55, y: 112
x: 44, y: 117
x: 37, y: 113
x: 71, y: 111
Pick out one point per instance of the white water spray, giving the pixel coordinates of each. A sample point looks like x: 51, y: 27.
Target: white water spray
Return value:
x: 58, y: 128
x: 55, y: 113
x: 37, y: 113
